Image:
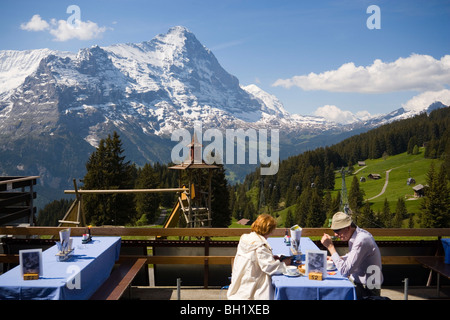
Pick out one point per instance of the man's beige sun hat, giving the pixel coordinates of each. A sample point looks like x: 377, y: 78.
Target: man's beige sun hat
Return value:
x: 340, y: 220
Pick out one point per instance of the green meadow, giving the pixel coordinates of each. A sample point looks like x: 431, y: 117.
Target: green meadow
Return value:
x: 402, y: 167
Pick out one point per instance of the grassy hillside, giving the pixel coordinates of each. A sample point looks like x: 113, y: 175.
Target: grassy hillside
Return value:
x: 401, y: 166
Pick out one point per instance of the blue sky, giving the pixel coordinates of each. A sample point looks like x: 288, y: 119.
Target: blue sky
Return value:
x: 315, y: 56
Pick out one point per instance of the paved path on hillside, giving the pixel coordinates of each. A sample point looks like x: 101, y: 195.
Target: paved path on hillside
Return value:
x: 359, y: 170
x: 384, y: 187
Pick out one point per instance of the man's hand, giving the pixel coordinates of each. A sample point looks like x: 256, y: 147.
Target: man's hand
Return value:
x: 326, y: 240
x: 328, y: 243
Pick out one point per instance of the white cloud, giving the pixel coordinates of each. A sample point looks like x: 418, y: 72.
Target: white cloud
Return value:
x: 35, y: 24
x: 63, y: 31
x: 416, y: 103
x: 423, y: 100
x: 363, y: 115
x: 333, y: 113
x: 82, y: 30
x: 416, y: 73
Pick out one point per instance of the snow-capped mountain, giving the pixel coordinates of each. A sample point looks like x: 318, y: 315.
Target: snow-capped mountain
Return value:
x: 56, y: 106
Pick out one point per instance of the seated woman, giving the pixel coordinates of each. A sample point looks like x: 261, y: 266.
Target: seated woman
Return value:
x: 254, y: 263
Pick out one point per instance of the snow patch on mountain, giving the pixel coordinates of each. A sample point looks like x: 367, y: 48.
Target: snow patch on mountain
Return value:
x: 270, y: 103
x: 15, y: 66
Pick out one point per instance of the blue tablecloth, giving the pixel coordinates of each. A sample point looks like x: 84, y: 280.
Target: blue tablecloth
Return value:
x: 74, y: 279
x: 446, y: 245
x: 333, y: 287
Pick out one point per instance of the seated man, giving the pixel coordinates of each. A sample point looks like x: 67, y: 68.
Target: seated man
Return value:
x: 362, y: 263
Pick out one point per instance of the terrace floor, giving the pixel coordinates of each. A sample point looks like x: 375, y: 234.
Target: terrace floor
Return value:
x: 199, y: 293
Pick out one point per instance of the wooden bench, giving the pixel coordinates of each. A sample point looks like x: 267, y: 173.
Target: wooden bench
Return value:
x: 437, y: 265
x: 119, y: 280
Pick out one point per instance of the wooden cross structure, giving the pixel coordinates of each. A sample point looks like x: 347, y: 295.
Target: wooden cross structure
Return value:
x: 195, y: 202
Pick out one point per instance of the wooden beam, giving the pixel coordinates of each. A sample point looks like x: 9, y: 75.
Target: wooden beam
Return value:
x: 125, y: 191
x: 403, y: 232
x: 120, y: 279
x: 217, y: 260
x: 17, y: 179
x: 210, y: 232
x: 391, y: 260
x: 9, y: 258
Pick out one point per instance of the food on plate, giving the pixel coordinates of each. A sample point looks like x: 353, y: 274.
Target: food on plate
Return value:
x: 301, y: 268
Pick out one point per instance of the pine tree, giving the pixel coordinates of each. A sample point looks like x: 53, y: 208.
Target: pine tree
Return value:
x: 240, y: 203
x: 334, y: 207
x: 289, y: 221
x: 303, y: 206
x: 400, y: 213
x: 411, y: 221
x: 327, y: 204
x: 221, y: 213
x: 147, y: 204
x: 411, y: 144
x: 356, y: 196
x: 367, y: 218
x: 329, y: 177
x: 249, y: 210
x: 53, y: 212
x: 107, y: 169
x: 316, y: 213
x: 436, y: 202
x: 275, y: 198
x: 386, y: 216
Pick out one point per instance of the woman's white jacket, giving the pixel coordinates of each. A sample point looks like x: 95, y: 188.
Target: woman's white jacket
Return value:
x: 252, y: 269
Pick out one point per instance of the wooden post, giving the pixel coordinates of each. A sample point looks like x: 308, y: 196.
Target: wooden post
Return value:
x: 206, y: 268
x: 30, y: 203
x: 209, y: 196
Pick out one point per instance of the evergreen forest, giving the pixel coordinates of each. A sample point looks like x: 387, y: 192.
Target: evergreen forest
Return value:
x: 307, y: 190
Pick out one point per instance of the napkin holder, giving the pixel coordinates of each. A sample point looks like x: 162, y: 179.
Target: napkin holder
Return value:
x: 64, y: 255
x: 297, y: 254
x: 64, y: 251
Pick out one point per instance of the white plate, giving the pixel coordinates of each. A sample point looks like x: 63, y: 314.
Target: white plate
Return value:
x: 292, y: 275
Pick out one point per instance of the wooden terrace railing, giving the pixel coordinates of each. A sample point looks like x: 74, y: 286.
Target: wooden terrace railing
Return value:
x: 209, y: 233
x: 204, y: 237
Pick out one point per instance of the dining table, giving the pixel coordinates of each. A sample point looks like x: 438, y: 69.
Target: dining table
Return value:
x: 333, y: 287
x: 76, y: 278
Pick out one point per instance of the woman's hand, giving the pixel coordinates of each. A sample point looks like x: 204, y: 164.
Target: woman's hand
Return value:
x: 287, y: 260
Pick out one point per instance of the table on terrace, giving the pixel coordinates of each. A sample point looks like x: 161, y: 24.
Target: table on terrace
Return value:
x: 74, y: 279
x: 333, y: 287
